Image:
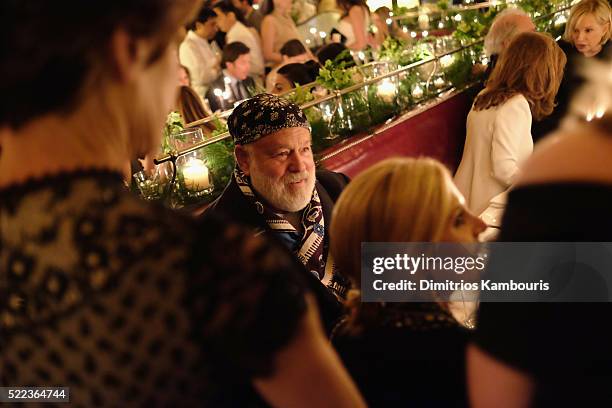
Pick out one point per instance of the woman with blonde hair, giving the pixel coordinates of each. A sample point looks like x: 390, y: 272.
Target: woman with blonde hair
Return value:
x: 587, y: 35
x: 588, y: 28
x: 401, y: 200
x: 522, y: 86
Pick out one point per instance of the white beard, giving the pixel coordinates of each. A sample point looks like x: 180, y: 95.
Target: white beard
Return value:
x: 280, y: 194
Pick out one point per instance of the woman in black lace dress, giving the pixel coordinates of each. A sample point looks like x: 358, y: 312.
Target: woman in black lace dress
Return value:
x: 123, y: 301
x: 402, y: 354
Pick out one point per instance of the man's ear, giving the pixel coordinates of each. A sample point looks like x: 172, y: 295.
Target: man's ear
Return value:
x: 125, y: 54
x: 242, y: 158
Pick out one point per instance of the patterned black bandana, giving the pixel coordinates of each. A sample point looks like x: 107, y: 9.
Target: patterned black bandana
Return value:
x: 261, y: 115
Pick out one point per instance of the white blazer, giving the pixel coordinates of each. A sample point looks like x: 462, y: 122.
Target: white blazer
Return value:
x: 498, y: 139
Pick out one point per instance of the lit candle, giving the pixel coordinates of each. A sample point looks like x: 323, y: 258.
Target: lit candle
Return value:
x: 322, y: 36
x: 219, y: 94
x: 560, y: 20
x: 439, y: 82
x: 417, y: 92
x: 386, y: 91
x: 447, y: 60
x: 195, y: 174
x: 423, y: 21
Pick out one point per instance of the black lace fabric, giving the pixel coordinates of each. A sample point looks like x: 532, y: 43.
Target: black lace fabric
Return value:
x: 127, y: 303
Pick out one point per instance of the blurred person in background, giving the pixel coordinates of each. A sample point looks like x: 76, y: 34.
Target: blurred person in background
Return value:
x: 290, y: 75
x: 196, y: 52
x: 184, y: 76
x: 354, y: 25
x: 234, y: 84
x: 332, y: 51
x: 386, y: 26
x: 276, y: 29
x: 293, y: 52
x: 252, y: 17
x: 236, y: 31
x: 505, y: 26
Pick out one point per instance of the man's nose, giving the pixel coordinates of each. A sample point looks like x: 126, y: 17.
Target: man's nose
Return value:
x: 297, y: 163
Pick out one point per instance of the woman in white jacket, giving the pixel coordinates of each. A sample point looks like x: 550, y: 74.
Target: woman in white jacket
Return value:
x: 522, y: 85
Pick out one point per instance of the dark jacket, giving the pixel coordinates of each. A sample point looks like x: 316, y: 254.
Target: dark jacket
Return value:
x: 329, y: 185
x: 571, y: 82
x: 216, y: 103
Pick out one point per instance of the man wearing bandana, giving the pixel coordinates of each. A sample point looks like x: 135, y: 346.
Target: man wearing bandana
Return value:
x: 276, y: 190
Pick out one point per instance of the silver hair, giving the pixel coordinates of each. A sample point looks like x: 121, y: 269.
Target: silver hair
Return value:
x: 502, y: 29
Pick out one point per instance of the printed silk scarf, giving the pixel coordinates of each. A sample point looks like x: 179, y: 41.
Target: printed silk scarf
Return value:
x: 310, y: 252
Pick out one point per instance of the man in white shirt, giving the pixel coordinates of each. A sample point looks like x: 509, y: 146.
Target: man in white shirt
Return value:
x: 237, y: 32
x: 198, y: 55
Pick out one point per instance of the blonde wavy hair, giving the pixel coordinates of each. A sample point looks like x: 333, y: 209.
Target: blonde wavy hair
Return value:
x: 396, y: 200
x: 531, y: 66
x: 600, y: 9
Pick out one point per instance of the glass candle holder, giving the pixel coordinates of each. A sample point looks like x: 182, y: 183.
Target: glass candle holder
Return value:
x: 194, y: 178
x: 193, y: 175
x: 153, y: 183
x: 186, y: 138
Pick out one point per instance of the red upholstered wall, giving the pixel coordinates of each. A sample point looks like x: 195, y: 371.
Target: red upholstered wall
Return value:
x: 437, y: 131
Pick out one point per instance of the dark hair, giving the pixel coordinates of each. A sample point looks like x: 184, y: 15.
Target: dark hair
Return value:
x: 292, y: 48
x: 203, y: 16
x: 269, y: 6
x: 232, y: 51
x: 189, y: 105
x: 532, y: 66
x: 330, y: 52
x: 297, y: 73
x: 346, y: 5
x: 227, y: 8
x: 52, y: 50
